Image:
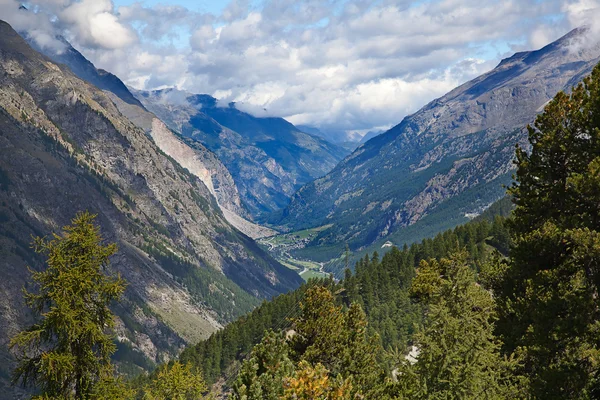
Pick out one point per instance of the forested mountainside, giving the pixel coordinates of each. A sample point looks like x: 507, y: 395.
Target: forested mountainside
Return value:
x: 503, y: 307
x: 506, y: 309
x: 66, y: 148
x: 269, y: 158
x: 379, y: 285
x: 441, y: 164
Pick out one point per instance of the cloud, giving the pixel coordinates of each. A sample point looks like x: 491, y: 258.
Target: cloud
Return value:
x: 38, y: 26
x: 336, y: 64
x: 95, y: 25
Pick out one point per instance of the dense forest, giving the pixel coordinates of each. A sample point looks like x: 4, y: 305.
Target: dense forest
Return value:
x: 380, y: 286
x: 499, y: 308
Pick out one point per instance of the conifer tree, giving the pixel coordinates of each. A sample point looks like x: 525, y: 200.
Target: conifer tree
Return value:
x: 458, y: 354
x: 175, y: 381
x: 263, y: 373
x: 547, y: 292
x: 67, y: 352
x: 338, y: 340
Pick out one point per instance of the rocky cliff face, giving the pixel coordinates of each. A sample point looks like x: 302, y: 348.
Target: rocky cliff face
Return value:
x: 65, y: 147
x: 447, y: 160
x: 199, y: 161
x: 269, y: 158
x: 189, y: 154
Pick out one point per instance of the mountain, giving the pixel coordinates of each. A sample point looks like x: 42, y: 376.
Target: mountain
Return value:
x: 370, y: 135
x: 346, y: 140
x: 442, y: 164
x: 66, y: 147
x: 190, y: 154
x: 381, y: 286
x: 332, y: 135
x: 84, y: 69
x: 269, y: 158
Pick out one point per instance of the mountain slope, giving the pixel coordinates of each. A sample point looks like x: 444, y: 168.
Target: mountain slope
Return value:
x: 67, y: 148
x: 444, y: 162
x: 334, y: 136
x: 85, y: 70
x: 190, y: 154
x: 269, y: 158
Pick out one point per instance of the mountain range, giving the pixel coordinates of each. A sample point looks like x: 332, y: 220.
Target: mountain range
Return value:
x: 182, y: 183
x: 441, y: 165
x: 269, y: 158
x: 66, y: 147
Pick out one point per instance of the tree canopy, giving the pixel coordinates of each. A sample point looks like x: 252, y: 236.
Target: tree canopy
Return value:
x: 68, y: 351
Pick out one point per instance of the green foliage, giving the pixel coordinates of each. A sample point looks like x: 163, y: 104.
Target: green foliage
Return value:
x: 68, y: 351
x: 310, y: 383
x: 523, y: 323
x: 175, y: 381
x: 547, y: 292
x: 458, y: 353
x: 329, y: 354
x: 215, y: 355
x: 500, y: 208
x: 263, y: 374
x: 112, y: 389
x: 326, y: 334
x: 556, y: 180
x: 205, y: 284
x: 379, y: 286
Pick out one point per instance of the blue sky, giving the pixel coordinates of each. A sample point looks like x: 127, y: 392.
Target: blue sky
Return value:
x: 212, y: 6
x: 350, y: 65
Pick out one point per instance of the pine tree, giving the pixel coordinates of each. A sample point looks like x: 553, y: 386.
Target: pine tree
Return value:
x: 68, y: 351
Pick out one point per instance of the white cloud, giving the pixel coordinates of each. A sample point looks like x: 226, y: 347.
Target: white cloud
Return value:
x: 92, y: 23
x: 354, y: 64
x: 38, y: 26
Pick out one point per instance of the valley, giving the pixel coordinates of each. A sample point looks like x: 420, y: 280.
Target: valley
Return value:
x: 241, y: 211
x: 450, y: 159
x: 283, y: 247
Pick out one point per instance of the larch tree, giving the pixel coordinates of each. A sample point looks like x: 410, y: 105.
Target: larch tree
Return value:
x: 175, y: 381
x: 67, y: 352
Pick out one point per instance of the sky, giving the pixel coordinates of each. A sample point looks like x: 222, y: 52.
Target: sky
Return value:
x: 340, y: 65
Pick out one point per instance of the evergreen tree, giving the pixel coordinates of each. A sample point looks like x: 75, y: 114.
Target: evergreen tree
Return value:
x: 547, y: 292
x: 175, y: 381
x: 263, y: 373
x: 338, y: 340
x: 68, y: 351
x: 379, y: 285
x: 458, y: 354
